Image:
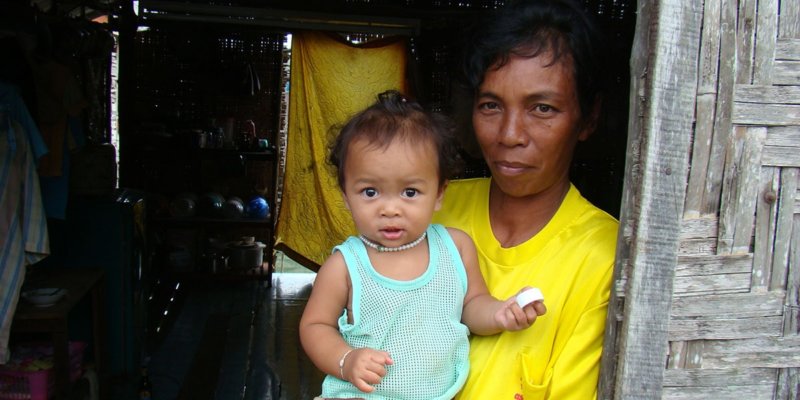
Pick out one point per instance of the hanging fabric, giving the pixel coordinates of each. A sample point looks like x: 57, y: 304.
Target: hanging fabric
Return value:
x: 23, y: 225
x: 330, y: 81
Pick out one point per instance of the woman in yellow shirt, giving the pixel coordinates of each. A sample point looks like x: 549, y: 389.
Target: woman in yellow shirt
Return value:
x: 535, y: 71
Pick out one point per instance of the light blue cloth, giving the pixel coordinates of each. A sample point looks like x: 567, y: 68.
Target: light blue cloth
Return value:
x: 11, y: 102
x: 418, y: 322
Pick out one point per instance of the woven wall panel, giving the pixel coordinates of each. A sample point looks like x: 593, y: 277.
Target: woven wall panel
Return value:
x: 189, y: 75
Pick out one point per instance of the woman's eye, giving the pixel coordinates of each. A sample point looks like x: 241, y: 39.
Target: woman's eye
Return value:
x: 410, y: 192
x: 370, y: 192
x: 543, y: 108
x: 489, y: 105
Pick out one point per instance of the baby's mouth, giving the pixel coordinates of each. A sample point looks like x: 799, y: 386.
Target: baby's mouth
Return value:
x: 392, y: 233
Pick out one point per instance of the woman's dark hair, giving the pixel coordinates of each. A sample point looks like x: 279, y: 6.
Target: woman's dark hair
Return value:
x: 392, y: 117
x: 529, y: 28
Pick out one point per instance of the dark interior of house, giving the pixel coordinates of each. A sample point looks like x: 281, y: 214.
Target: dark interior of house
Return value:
x: 175, y: 116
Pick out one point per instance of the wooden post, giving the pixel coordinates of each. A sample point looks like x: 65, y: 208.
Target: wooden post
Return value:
x: 664, y: 75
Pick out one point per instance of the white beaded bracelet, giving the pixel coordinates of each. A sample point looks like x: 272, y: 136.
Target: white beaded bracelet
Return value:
x: 341, y: 363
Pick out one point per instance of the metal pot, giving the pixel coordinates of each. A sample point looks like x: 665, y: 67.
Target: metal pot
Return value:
x: 246, y: 254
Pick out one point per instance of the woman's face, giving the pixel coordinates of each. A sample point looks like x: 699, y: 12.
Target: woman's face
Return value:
x: 527, y: 121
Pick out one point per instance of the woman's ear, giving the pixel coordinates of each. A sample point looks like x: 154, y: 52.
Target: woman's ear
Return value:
x: 589, y: 124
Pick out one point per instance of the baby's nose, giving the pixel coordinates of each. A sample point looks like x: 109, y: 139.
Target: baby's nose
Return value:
x: 390, y: 208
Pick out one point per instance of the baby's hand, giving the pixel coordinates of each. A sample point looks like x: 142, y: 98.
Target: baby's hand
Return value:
x: 365, y: 368
x: 512, y: 317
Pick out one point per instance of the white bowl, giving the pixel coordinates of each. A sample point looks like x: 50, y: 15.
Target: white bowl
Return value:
x: 44, y: 297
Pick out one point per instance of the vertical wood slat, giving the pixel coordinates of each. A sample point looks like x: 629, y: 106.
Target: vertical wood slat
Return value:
x: 789, y: 23
x: 733, y: 210
x: 767, y: 23
x: 694, y: 354
x: 677, y: 355
x: 637, y: 99
x: 639, y: 59
x: 704, y: 115
x: 685, y: 354
x: 765, y: 228
x: 745, y: 35
x: 789, y: 378
x: 739, y: 195
x: 783, y: 228
x: 667, y: 122
x: 722, y: 118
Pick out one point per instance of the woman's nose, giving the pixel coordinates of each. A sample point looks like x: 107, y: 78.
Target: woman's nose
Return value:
x: 512, y: 130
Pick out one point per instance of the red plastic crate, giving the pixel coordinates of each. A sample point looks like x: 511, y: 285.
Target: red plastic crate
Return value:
x: 38, y: 385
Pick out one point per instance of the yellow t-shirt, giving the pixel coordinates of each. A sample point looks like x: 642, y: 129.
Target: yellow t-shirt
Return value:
x: 571, y: 260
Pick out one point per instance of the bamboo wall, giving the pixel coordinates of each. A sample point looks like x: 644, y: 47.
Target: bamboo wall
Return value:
x: 708, y: 267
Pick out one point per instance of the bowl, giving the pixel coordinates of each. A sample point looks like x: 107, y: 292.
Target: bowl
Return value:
x: 184, y: 205
x: 44, y: 297
x: 210, y: 205
x: 233, y: 208
x: 257, y: 208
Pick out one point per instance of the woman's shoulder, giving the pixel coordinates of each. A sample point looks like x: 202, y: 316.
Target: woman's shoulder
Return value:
x: 461, y: 193
x: 586, y: 211
x: 463, y: 200
x: 468, y: 185
x: 581, y: 221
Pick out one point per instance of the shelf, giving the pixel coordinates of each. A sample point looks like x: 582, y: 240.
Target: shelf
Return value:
x: 185, y: 154
x: 265, y: 155
x: 193, y: 221
x: 262, y: 273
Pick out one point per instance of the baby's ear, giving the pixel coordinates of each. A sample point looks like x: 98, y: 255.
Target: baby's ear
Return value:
x: 344, y: 198
x: 440, y: 195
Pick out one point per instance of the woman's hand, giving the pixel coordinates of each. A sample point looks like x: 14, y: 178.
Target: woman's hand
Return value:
x: 365, y: 368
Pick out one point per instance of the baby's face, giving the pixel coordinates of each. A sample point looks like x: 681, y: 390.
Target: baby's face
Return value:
x: 392, y: 192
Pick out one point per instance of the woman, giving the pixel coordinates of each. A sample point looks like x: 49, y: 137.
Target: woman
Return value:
x: 534, y: 70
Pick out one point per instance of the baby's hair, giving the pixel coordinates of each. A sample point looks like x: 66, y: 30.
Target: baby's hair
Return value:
x: 393, y: 117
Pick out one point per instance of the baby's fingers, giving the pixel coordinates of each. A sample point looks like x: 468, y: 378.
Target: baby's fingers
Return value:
x: 370, y: 370
x: 363, y: 386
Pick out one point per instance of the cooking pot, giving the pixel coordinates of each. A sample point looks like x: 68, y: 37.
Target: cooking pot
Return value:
x: 246, y: 253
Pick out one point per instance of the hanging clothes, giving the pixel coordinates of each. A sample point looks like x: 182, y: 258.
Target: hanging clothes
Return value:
x: 23, y: 225
x: 331, y: 80
x: 59, y: 98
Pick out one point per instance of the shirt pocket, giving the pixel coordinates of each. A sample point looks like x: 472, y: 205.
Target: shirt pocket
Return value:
x: 535, y: 383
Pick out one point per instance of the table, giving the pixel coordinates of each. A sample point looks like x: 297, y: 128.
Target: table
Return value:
x: 79, y: 282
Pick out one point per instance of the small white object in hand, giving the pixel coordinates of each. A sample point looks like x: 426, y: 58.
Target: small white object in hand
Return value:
x: 529, y: 296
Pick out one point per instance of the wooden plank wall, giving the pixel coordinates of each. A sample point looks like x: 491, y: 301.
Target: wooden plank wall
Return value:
x: 733, y: 328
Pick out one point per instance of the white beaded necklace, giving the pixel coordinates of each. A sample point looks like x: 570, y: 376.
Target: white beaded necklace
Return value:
x: 382, y: 248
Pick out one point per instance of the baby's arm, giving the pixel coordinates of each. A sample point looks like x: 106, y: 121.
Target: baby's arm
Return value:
x: 319, y: 331
x: 484, y: 314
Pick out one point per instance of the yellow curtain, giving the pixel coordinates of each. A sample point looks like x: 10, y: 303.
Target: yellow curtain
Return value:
x: 330, y: 81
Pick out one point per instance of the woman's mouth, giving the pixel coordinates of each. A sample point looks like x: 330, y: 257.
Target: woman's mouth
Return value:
x: 509, y: 168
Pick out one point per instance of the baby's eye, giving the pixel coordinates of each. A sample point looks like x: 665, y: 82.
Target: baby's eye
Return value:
x: 370, y: 192
x: 409, y: 192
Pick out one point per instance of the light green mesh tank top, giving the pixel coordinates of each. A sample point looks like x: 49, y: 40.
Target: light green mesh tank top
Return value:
x: 418, y: 322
